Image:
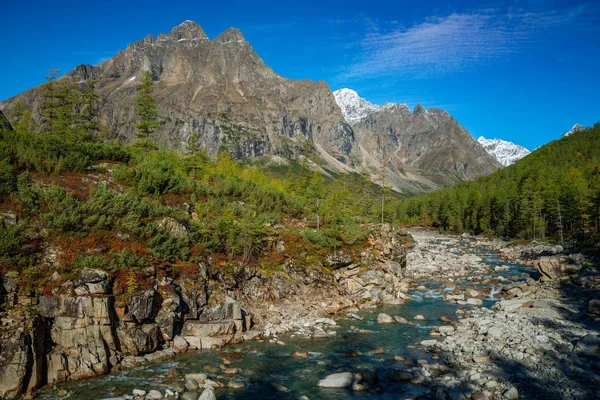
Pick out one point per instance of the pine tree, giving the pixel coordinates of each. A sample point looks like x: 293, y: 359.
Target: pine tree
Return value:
x: 196, y: 156
x: 25, y: 123
x: 146, y: 110
x: 18, y: 111
x: 90, y: 105
x: 49, y: 101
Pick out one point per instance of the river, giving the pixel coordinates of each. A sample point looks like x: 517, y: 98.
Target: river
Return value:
x: 268, y: 370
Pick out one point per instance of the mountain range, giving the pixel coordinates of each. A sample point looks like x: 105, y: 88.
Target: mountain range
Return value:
x: 225, y: 92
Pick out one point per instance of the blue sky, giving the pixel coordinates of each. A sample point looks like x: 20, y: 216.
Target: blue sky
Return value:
x: 524, y: 71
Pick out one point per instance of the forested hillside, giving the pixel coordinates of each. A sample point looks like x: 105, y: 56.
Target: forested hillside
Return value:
x: 69, y: 198
x: 553, y: 192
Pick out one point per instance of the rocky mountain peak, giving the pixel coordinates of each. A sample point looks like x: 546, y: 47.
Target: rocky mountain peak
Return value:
x: 188, y: 30
x: 223, y: 91
x: 354, y: 108
x: 574, y: 129
x: 505, y: 152
x: 230, y: 35
x: 418, y: 110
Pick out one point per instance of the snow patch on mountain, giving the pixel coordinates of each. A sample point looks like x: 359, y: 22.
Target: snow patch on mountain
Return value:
x: 354, y: 108
x: 505, y: 152
x: 574, y: 129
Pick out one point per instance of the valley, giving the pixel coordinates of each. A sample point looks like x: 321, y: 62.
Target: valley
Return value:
x: 180, y: 221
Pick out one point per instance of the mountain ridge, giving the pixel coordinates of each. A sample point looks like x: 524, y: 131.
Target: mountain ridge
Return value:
x: 222, y: 90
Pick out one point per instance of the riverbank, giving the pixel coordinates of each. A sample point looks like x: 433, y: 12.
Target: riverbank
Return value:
x: 541, y: 341
x: 443, y: 342
x: 80, y: 328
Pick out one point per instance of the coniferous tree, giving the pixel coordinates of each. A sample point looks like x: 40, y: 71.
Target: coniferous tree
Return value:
x: 146, y: 109
x: 18, y: 111
x: 90, y: 105
x: 196, y: 156
x: 25, y: 123
x: 50, y: 101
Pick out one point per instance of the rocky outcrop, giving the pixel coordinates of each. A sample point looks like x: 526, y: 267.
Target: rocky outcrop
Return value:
x: 83, y: 329
x: 379, y: 272
x: 556, y: 267
x: 420, y: 150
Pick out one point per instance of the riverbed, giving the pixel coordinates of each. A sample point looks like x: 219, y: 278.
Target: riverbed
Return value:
x: 357, y: 343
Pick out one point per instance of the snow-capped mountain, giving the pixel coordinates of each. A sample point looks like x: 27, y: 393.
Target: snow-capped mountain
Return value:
x: 575, y: 128
x: 354, y: 108
x: 505, y: 152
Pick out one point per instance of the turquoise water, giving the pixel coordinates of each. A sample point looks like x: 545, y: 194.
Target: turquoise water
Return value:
x: 265, y: 366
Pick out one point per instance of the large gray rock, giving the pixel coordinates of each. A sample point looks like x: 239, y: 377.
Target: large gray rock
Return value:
x: 14, y: 365
x: 140, y: 307
x: 384, y: 319
x: 339, y: 380
x: 95, y: 281
x: 556, y: 267
x: 229, y: 310
x: 208, y: 329
x: 588, y: 345
x: 139, y: 340
x: 208, y: 394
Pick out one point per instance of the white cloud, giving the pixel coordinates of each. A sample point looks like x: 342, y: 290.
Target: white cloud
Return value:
x: 456, y: 42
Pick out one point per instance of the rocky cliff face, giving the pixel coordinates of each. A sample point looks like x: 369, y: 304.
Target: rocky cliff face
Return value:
x: 81, y: 329
x: 220, y: 88
x: 223, y: 90
x: 423, y: 149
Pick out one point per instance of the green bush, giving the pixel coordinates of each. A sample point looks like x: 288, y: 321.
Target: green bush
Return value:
x: 151, y: 176
x: 320, y: 239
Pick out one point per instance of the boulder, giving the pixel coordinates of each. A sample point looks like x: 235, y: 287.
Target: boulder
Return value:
x: 180, y: 345
x: 140, y: 306
x: 154, y: 395
x: 301, y: 354
x: 513, y: 305
x: 594, y: 306
x: 230, y: 310
x: 208, y: 329
x: 173, y: 227
x: 190, y: 395
x: 588, y: 345
x: 198, y: 377
x: 139, y: 340
x: 511, y: 394
x: 445, y: 329
x: 235, y: 384
x: 475, y: 302
x: 192, y: 385
x: 384, y: 319
x: 208, y: 394
x: 555, y: 267
x: 339, y: 380
x: 95, y: 281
